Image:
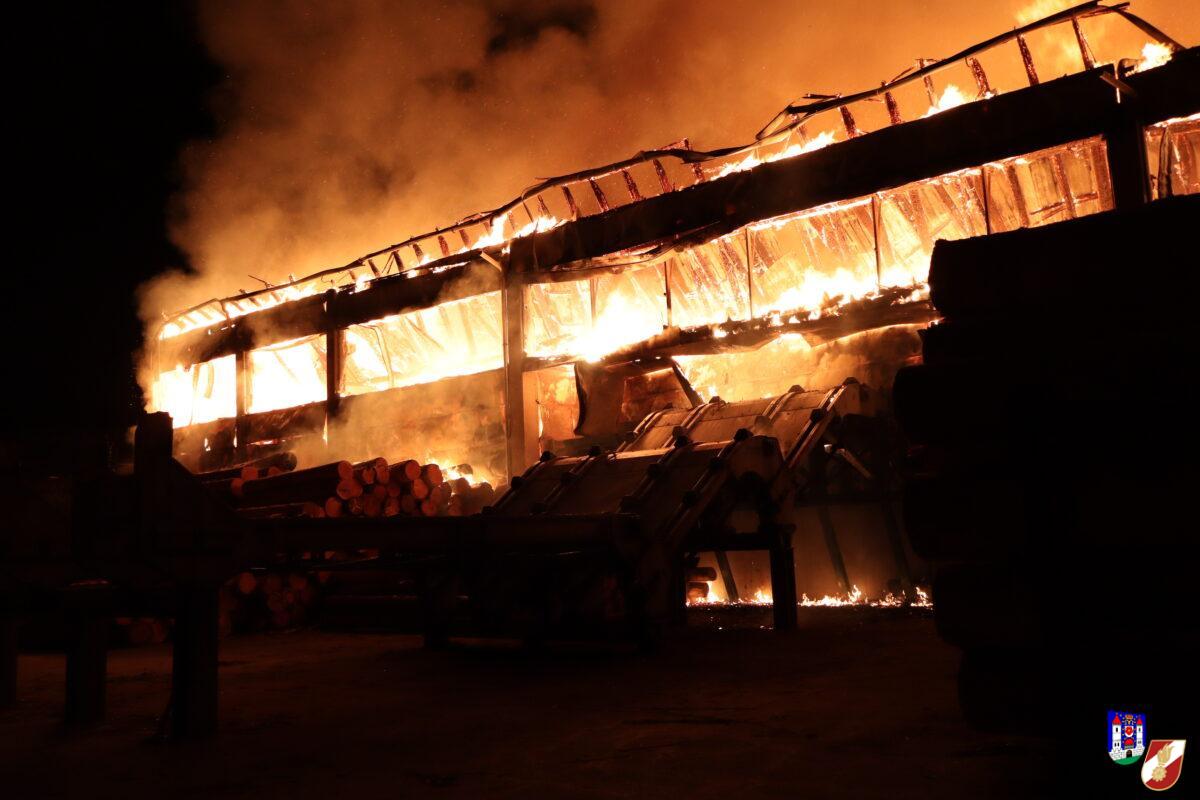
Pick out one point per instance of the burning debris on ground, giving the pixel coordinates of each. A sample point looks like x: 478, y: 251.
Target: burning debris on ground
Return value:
x: 817, y: 380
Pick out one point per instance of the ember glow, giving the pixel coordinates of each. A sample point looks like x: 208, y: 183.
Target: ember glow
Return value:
x: 762, y: 597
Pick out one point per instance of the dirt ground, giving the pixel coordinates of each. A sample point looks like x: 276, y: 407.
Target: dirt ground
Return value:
x: 860, y: 703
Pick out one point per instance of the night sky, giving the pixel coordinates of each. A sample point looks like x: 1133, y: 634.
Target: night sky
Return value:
x: 106, y: 96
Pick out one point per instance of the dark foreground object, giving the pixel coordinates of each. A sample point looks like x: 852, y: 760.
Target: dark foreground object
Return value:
x: 859, y: 703
x: 1053, y: 473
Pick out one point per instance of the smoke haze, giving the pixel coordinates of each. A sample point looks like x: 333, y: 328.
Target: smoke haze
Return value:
x: 348, y: 126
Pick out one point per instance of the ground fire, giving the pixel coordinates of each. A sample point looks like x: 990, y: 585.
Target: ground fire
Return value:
x: 685, y: 382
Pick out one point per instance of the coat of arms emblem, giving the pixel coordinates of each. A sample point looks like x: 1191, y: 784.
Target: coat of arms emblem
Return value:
x: 1126, y: 741
x: 1164, y: 762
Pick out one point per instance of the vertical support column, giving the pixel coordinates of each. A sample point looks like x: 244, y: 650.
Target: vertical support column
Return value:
x: 334, y: 352
x: 86, y: 614
x: 241, y: 423
x: 520, y: 389
x: 1128, y: 169
x: 783, y: 581
x: 194, y: 668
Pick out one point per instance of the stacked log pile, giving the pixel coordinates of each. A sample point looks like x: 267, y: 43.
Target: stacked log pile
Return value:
x: 138, y: 631
x: 269, y: 599
x: 1053, y: 437
x: 372, y: 488
x: 274, y: 598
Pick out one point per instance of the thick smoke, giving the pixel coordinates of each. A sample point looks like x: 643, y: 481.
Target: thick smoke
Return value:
x: 347, y: 126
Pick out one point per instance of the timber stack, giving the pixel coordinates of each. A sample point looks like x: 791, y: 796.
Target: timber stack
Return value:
x: 373, y: 488
x: 1052, y: 453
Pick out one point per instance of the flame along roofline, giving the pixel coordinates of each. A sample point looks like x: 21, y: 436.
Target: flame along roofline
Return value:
x: 1091, y: 8
x: 1023, y: 120
x: 364, y: 269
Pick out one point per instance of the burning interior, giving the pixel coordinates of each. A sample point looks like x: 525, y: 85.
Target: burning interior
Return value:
x: 679, y: 283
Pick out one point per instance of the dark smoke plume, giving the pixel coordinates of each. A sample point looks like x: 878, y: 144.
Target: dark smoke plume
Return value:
x: 347, y: 126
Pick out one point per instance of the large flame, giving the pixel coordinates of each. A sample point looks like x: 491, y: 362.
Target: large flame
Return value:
x: 951, y: 97
x: 822, y: 139
x: 1154, y: 54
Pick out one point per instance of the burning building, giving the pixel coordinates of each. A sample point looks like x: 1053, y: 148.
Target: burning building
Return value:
x: 657, y: 365
x: 675, y: 279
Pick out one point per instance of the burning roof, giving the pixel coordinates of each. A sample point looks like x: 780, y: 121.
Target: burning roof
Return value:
x: 678, y: 258
x: 800, y: 128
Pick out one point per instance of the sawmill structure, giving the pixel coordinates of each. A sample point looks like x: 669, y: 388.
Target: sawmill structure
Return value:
x: 674, y: 358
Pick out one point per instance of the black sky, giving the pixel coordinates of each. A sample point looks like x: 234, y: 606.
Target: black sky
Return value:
x: 105, y: 95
